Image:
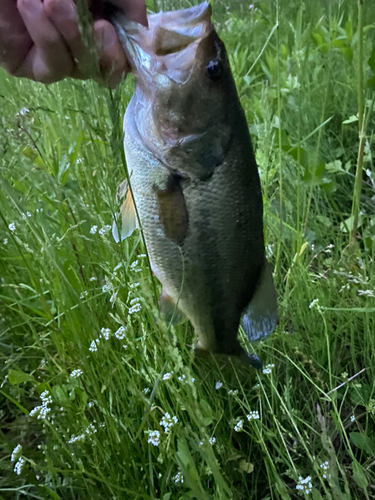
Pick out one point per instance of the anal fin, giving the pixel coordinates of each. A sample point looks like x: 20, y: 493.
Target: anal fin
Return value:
x: 260, y: 317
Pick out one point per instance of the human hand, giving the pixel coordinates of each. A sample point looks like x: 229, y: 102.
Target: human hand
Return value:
x: 41, y: 40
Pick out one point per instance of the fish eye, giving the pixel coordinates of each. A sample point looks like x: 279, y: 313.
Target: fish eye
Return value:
x: 214, y: 70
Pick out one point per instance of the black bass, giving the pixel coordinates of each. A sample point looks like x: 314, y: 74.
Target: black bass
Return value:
x: 195, y: 181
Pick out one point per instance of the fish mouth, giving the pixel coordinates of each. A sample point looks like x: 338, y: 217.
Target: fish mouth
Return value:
x: 168, y: 45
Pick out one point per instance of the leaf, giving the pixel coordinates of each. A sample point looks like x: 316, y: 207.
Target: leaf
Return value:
x: 358, y: 474
x: 363, y: 442
x: 17, y: 377
x: 246, y: 466
x: 371, y: 60
x: 206, y: 412
x: 316, y: 495
x: 167, y: 496
x: 351, y: 119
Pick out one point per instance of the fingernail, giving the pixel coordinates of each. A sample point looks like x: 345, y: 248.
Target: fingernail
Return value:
x: 32, y: 8
x: 63, y: 10
x: 109, y: 37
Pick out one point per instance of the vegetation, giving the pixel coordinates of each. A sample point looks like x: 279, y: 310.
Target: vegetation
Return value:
x: 119, y: 407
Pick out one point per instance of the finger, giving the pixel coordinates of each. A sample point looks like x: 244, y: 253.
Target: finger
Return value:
x: 64, y: 16
x: 135, y: 10
x: 112, y: 58
x: 15, y: 41
x: 49, y: 60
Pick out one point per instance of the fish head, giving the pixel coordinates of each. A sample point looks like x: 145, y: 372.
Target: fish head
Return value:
x: 184, y: 86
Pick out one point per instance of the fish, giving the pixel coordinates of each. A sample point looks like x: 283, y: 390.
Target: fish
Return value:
x: 194, y: 187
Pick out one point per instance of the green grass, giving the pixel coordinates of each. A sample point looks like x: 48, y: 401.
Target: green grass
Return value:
x: 61, y: 161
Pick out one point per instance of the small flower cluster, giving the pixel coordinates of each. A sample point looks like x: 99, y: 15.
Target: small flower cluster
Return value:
x: 41, y: 411
x: 253, y: 415
x: 19, y: 465
x: 94, y: 345
x: 168, y: 422
x: 324, y: 468
x: 304, y: 485
x: 135, y: 305
x: 133, y: 267
x: 167, y: 376
x: 268, y: 369
x: 76, y: 373
x: 84, y: 294
x: 239, y: 425
x: 212, y: 440
x: 218, y: 385
x: 154, y: 438
x: 12, y: 227
x: 120, y: 333
x: 232, y: 392
x: 105, y: 333
x: 178, y: 478
x: 16, y: 453
x: 182, y: 378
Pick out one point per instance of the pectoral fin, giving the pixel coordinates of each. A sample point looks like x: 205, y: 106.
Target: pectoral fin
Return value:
x: 169, y: 309
x: 260, y: 317
x: 127, y: 221
x: 172, y: 209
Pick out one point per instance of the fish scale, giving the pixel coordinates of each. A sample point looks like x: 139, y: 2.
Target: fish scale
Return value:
x: 195, y: 181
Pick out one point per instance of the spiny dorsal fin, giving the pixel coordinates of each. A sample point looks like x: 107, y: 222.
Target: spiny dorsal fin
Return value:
x: 260, y: 316
x: 127, y: 220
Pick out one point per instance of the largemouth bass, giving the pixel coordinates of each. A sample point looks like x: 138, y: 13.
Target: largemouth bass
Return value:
x: 195, y: 181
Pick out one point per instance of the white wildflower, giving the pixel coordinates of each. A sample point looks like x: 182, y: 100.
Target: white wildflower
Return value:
x: 253, y: 415
x: 218, y: 385
x: 23, y: 111
x: 134, y: 285
x: 105, y: 333
x: 16, y: 453
x: 42, y: 411
x: 239, y: 425
x: 93, y: 278
x: 113, y: 297
x: 124, y: 346
x: 5, y: 241
x: 324, y: 468
x: 352, y: 418
x: 268, y: 369
x: 314, y: 303
x: 178, y: 478
x: 304, y: 485
x: 120, y: 333
x: 76, y: 373
x: 167, y: 376
x: 93, y: 346
x: 134, y: 264
x: 366, y: 293
x: 154, y: 438
x: 84, y: 294
x: 135, y: 301
x: 94, y: 229
x: 182, y: 378
x: 12, y: 227
x: 168, y: 422
x: 142, y: 255
x: 19, y: 465
x: 106, y: 288
x: 136, y: 308
x: 232, y: 392
x: 212, y: 440
x: 146, y: 390
x: 104, y: 230
x: 116, y: 268
x: 74, y: 439
x: 91, y: 429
